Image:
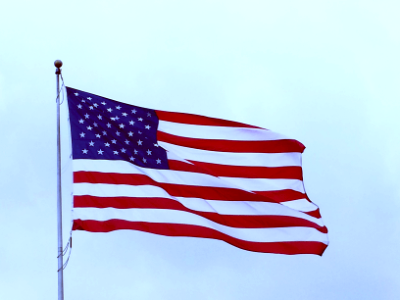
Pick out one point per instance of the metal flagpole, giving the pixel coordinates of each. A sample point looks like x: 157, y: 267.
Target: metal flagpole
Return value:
x: 58, y: 64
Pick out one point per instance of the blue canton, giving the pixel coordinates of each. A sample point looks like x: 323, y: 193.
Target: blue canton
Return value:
x: 105, y: 129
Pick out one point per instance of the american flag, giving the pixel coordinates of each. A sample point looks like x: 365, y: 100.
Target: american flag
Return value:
x: 178, y: 174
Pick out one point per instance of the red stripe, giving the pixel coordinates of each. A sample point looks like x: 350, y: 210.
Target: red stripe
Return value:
x: 176, y: 190
x: 198, y: 120
x: 315, y: 213
x: 282, y: 195
x: 167, y: 229
x: 237, y: 171
x: 238, y: 221
x: 274, y: 146
x: 193, y: 191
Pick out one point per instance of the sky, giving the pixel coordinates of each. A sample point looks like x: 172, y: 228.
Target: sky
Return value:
x: 323, y: 72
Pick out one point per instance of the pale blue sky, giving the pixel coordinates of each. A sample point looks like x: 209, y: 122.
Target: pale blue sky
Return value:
x: 323, y: 72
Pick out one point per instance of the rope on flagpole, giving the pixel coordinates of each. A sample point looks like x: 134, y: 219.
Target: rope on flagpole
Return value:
x: 62, y: 89
x: 69, y: 253
x: 61, y: 92
x: 68, y: 246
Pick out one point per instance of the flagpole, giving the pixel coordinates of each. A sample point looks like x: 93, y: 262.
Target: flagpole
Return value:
x: 58, y: 64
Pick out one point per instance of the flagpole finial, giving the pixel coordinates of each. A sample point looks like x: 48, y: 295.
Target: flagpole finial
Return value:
x: 58, y: 63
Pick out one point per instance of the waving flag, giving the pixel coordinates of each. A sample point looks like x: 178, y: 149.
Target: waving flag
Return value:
x: 179, y: 174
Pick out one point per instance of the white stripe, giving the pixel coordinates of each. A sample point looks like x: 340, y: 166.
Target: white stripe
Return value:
x: 301, y: 205
x: 119, y: 190
x: 221, y: 207
x: 263, y: 184
x: 172, y: 156
x: 235, y: 159
x: 244, y: 208
x: 188, y: 178
x: 219, y: 132
x: 282, y: 234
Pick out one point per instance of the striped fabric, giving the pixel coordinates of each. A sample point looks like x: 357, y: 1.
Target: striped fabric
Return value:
x: 223, y: 180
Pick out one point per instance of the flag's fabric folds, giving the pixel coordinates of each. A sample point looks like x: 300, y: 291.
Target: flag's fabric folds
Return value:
x: 179, y: 174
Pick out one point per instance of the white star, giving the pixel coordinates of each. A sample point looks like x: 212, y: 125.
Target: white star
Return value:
x: 95, y: 105
x: 148, y: 152
x: 86, y: 116
x: 91, y: 107
x: 85, y: 151
x: 121, y: 125
x: 89, y: 98
x: 114, y: 141
x: 83, y: 101
x: 156, y: 145
x: 134, y: 111
x: 100, y: 117
x: 104, y: 133
x: 136, y: 152
x: 130, y: 133
x: 123, y: 150
x: 139, y: 142
x: 95, y: 124
x: 112, y: 118
x: 108, y: 125
x: 98, y: 135
x: 103, y: 103
x: 81, y: 121
x: 116, y: 118
x: 118, y: 107
x: 132, y: 158
x: 91, y: 143
x: 109, y: 109
x: 149, y: 114
x: 82, y: 135
x: 118, y: 133
x: 158, y: 161
x: 147, y: 126
x: 140, y: 119
x: 100, y: 152
x: 76, y: 94
x: 89, y: 127
x: 144, y: 160
x: 139, y: 132
x: 131, y: 122
x: 115, y: 152
x: 124, y: 114
x: 79, y: 106
x: 127, y: 142
x: 107, y: 144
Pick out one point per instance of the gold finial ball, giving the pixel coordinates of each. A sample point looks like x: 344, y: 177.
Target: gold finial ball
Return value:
x: 58, y: 63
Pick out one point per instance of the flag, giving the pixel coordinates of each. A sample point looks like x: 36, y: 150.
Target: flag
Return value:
x: 178, y: 174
